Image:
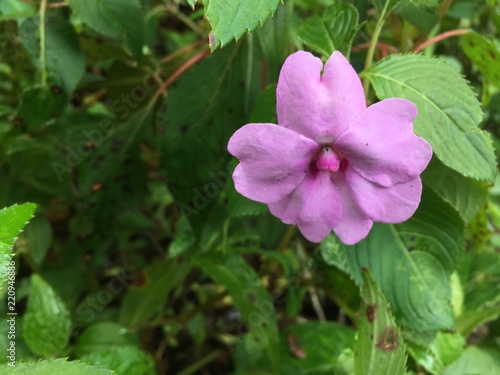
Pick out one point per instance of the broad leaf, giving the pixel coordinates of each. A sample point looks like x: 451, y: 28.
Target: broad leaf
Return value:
x: 331, y: 31
x: 231, y: 19
x: 467, y: 195
x: 379, y: 348
x: 113, y: 18
x: 475, y: 360
x: 412, y: 262
x: 46, y: 322
x: 448, y: 111
x: 64, y: 58
x: 57, y: 366
x: 12, y: 221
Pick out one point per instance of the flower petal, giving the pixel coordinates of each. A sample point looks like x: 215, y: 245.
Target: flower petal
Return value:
x: 355, y: 224
x: 319, y: 107
x: 273, y: 161
x: 380, y: 144
x: 314, y: 207
x: 391, y: 205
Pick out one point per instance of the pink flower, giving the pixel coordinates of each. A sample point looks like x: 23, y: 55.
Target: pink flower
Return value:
x: 331, y: 163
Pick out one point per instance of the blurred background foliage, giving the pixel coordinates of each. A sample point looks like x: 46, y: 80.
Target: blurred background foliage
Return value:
x: 141, y: 258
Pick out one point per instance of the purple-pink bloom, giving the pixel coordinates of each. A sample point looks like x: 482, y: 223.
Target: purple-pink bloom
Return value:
x: 331, y: 163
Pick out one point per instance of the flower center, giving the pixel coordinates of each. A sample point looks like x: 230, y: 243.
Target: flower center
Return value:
x: 327, y: 160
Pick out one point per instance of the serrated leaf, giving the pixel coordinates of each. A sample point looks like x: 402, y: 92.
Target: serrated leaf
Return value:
x: 57, y: 366
x: 46, y: 322
x: 412, y: 262
x: 379, y: 349
x: 144, y: 303
x: 448, y: 111
x: 231, y: 19
x: 113, y: 18
x: 251, y: 299
x: 331, y: 31
x: 12, y: 221
x: 191, y: 3
x: 467, y: 195
x: 64, y: 58
x: 484, y: 54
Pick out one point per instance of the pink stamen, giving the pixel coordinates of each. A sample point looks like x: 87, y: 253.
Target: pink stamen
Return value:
x: 328, y: 160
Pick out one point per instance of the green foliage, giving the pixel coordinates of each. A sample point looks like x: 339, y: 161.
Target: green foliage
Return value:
x: 46, y: 322
x: 143, y: 258
x: 115, y: 19
x: 57, y: 366
x: 12, y: 221
x: 449, y: 112
x: 379, y: 347
x: 332, y: 31
x: 231, y: 20
x: 466, y: 195
x: 253, y: 302
x: 485, y: 54
x: 418, y: 253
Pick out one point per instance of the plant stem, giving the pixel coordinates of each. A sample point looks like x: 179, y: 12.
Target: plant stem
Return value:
x: 373, y: 45
x: 201, y: 363
x: 43, y: 60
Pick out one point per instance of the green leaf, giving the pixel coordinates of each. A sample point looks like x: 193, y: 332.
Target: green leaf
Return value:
x: 46, y: 322
x: 274, y: 40
x: 419, y: 253
x: 448, y: 110
x: 484, y: 54
x: 231, y: 19
x: 141, y: 304
x: 113, y: 18
x: 252, y: 300
x: 331, y: 31
x: 38, y: 233
x: 422, y: 14
x: 480, y: 275
x: 467, y: 195
x: 379, y: 349
x: 435, y: 351
x: 112, y: 346
x: 313, y: 347
x: 57, y: 366
x: 215, y: 112
x: 12, y: 221
x: 475, y: 360
x: 65, y: 60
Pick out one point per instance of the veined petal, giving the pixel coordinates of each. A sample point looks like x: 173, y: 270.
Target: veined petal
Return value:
x: 314, y: 206
x: 355, y: 223
x: 380, y: 144
x: 273, y: 161
x: 319, y: 107
x: 390, y: 205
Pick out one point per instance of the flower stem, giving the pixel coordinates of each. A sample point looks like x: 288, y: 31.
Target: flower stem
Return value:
x: 43, y: 60
x: 373, y: 44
